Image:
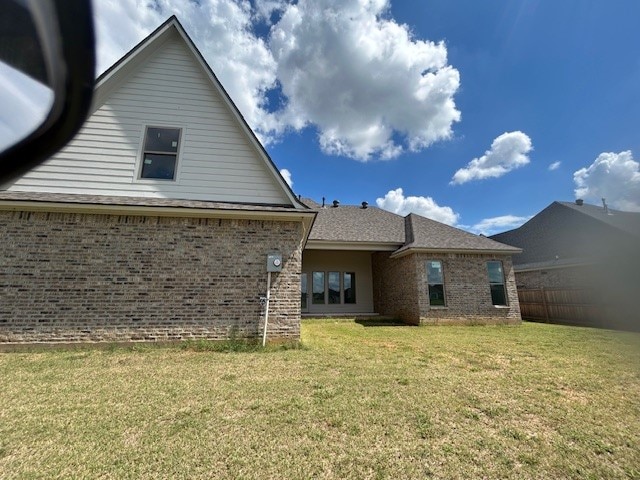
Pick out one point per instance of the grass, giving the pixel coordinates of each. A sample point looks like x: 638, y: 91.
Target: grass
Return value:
x: 358, y: 401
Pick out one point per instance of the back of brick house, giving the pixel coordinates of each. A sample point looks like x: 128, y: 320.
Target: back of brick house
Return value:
x: 155, y: 222
x: 361, y: 260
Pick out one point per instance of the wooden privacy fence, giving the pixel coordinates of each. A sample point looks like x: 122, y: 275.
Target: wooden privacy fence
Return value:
x: 573, y: 306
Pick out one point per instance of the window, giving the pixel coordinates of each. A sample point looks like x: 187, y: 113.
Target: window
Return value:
x: 496, y: 283
x: 349, y: 285
x: 160, y: 153
x: 318, y: 288
x: 334, y: 287
x: 303, y: 291
x: 435, y: 279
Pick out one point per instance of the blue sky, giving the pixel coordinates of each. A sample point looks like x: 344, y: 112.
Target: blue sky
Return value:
x: 358, y: 98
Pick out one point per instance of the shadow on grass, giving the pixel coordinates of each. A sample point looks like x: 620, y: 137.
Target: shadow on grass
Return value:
x: 380, y: 322
x: 239, y: 346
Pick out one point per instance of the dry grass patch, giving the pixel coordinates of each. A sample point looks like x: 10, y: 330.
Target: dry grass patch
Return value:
x: 535, y: 401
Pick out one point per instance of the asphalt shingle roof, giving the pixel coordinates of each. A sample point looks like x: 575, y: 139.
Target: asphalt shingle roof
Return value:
x: 626, y: 221
x: 565, y: 232
x: 424, y: 233
x: 349, y: 223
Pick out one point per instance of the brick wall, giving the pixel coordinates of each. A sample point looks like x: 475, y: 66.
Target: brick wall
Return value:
x: 68, y: 277
x: 395, y: 289
x: 403, y: 290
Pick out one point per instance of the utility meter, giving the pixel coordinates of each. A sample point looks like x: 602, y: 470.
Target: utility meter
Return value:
x: 274, y: 262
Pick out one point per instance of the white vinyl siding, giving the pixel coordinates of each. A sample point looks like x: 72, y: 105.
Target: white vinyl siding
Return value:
x: 218, y: 161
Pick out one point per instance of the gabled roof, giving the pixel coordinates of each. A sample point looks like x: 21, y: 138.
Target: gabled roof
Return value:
x: 425, y: 234
x: 108, y: 80
x: 566, y: 233
x: 372, y: 228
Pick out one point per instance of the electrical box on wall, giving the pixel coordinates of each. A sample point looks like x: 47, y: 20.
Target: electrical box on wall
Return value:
x: 274, y: 262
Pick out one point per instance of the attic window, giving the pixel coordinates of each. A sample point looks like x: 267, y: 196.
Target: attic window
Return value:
x: 160, y: 153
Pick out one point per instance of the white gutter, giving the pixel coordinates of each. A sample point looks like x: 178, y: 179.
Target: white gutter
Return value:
x: 367, y: 246
x: 152, y: 211
x: 466, y: 251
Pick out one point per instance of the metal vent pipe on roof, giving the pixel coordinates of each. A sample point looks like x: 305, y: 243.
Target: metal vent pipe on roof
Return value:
x: 365, y: 205
x: 579, y: 202
x: 336, y: 203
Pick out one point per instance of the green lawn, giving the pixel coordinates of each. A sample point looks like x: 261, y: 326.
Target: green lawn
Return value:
x: 534, y: 401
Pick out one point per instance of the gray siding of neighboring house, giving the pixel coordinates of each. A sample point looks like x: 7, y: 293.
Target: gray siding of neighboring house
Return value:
x: 69, y: 277
x: 567, y: 277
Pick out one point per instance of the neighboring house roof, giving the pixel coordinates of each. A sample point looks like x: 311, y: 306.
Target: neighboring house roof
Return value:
x: 565, y: 233
x: 372, y: 228
x: 626, y: 221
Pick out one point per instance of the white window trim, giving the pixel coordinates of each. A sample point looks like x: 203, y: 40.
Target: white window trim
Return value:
x: 138, y: 166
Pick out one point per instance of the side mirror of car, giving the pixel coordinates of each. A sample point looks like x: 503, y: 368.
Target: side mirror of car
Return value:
x: 47, y: 74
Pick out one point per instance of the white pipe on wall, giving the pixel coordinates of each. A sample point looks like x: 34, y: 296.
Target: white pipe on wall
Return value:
x: 266, y: 310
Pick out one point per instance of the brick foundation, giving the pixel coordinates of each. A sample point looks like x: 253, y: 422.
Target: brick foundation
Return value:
x: 72, y: 277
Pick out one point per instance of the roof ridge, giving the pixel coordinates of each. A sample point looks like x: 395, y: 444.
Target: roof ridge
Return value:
x: 571, y: 207
x: 409, y: 236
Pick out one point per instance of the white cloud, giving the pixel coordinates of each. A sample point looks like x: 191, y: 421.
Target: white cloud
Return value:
x: 507, y: 152
x: 614, y: 176
x: 286, y: 174
x: 395, y: 201
x: 222, y: 30
x: 344, y: 67
x: 554, y: 166
x: 489, y: 226
x: 266, y: 8
x: 370, y: 88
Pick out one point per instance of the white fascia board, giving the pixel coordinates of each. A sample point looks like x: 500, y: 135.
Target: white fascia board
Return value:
x: 362, y: 246
x: 409, y: 251
x: 154, y: 211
